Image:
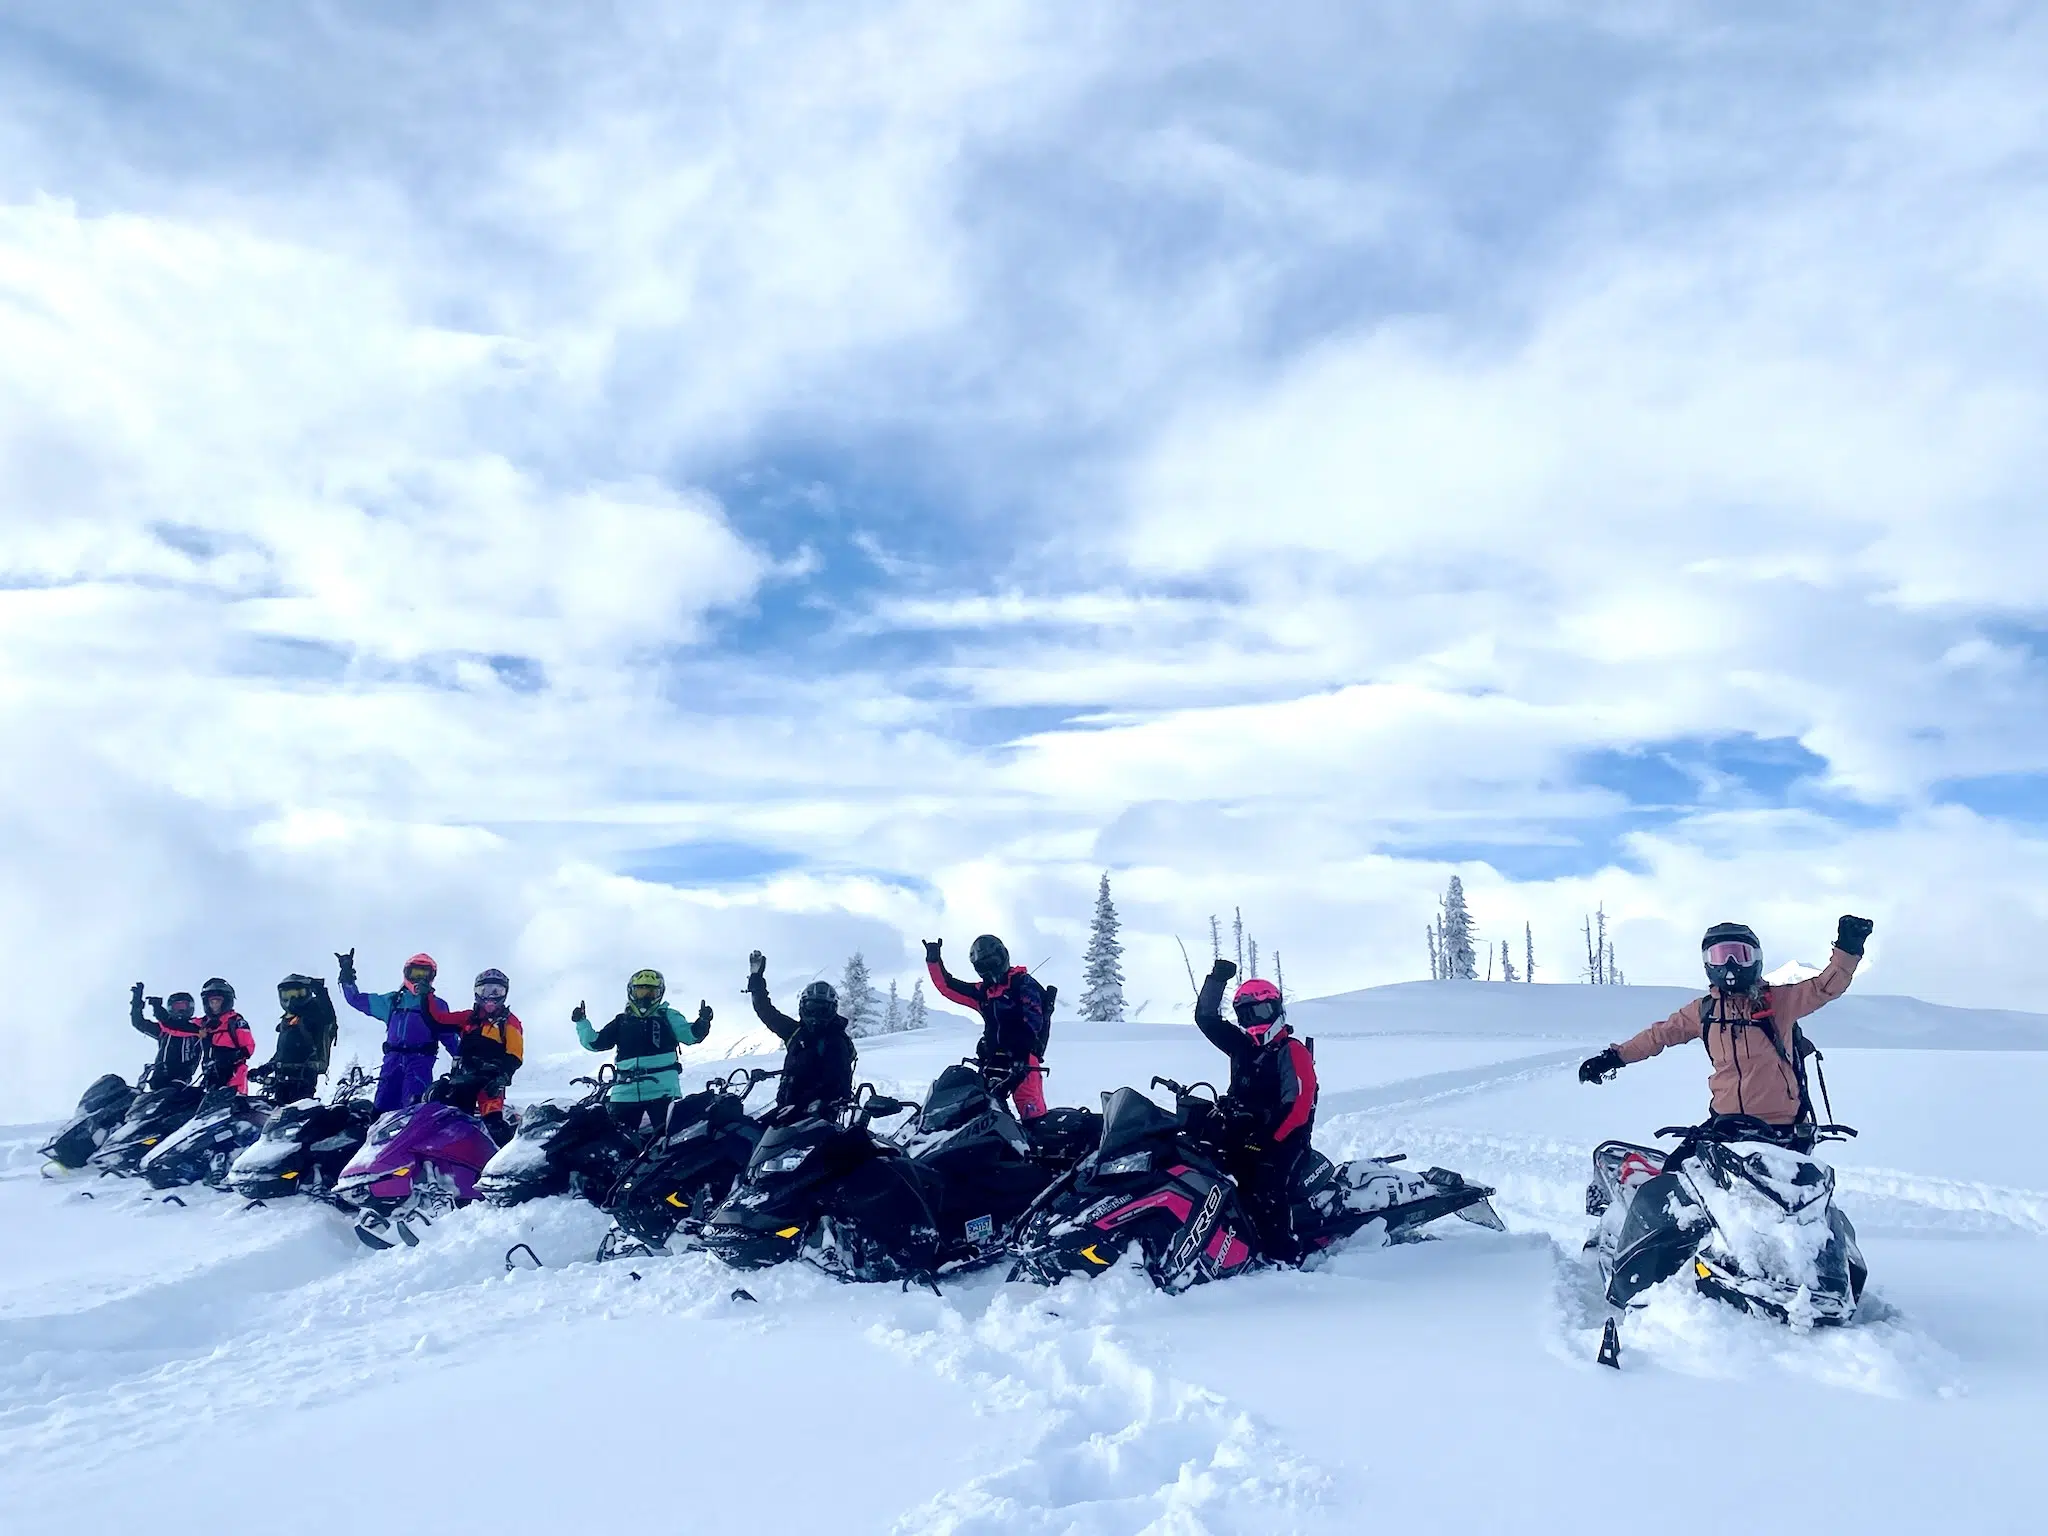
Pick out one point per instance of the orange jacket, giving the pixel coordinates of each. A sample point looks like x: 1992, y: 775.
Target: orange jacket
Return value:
x: 1750, y: 1075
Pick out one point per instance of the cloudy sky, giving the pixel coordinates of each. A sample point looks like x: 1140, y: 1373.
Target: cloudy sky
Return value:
x: 575, y: 488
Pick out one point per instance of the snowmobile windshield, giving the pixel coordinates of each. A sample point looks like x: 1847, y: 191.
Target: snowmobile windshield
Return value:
x: 1732, y: 952
x: 388, y: 1128
x: 1129, y: 1121
x: 956, y: 1098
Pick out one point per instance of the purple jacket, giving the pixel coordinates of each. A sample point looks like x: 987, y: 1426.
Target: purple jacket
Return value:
x: 409, y: 1029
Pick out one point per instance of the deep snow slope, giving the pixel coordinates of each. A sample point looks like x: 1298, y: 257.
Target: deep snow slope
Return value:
x: 171, y: 1370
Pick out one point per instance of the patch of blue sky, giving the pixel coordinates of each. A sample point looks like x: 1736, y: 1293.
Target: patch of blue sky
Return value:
x: 291, y: 658
x: 710, y: 861
x: 2005, y: 796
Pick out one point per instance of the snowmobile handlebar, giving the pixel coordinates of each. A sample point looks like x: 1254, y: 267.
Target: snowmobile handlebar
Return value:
x: 741, y: 1080
x: 1184, y: 1090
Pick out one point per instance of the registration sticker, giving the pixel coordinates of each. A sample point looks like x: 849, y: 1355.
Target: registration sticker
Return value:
x: 981, y: 1229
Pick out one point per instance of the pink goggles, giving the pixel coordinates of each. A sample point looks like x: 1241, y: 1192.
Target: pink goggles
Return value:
x: 1732, y: 952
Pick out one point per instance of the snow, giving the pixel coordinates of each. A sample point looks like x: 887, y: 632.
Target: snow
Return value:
x: 174, y: 1370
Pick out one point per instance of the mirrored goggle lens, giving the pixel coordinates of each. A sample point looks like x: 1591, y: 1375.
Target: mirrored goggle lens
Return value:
x: 292, y: 994
x: 1264, y: 1011
x: 643, y: 994
x: 491, y: 994
x: 418, y: 973
x: 1732, y: 952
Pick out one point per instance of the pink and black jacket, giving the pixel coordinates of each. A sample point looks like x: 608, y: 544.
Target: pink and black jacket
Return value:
x: 1272, y: 1077
x: 1016, y: 1025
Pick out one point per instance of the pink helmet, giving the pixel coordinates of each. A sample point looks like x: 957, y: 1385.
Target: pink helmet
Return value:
x: 420, y: 962
x: 1260, y: 1008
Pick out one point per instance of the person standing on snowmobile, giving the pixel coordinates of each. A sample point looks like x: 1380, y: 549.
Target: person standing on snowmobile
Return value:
x: 305, y: 1040
x: 817, y: 1051
x: 1270, y: 1111
x: 415, y: 1027
x: 1016, y: 1019
x: 645, y: 1037
x: 493, y: 1046
x: 227, y: 1042
x: 1750, y: 1028
x: 177, y: 1037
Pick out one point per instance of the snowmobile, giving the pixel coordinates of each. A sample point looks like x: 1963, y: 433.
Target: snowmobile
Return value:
x: 202, y: 1149
x: 827, y: 1188
x: 1157, y: 1180
x: 100, y: 1108
x: 419, y: 1162
x: 152, y: 1115
x: 680, y: 1178
x: 306, y: 1144
x: 1753, y: 1219
x: 561, y: 1149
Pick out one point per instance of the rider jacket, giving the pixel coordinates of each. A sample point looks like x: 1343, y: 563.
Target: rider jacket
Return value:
x: 1015, y: 1021
x: 645, y: 1042
x: 1750, y: 1041
x: 228, y: 1044
x: 178, y: 1046
x: 817, y: 1059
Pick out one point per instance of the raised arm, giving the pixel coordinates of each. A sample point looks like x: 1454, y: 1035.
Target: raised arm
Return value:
x: 1681, y: 1028
x: 782, y: 1025
x: 947, y: 985
x: 136, y: 1021
x: 1225, y: 1036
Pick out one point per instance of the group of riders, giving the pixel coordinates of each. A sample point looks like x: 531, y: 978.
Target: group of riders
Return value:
x: 1758, y: 1080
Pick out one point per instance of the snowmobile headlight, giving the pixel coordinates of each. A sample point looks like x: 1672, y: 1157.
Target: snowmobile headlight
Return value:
x: 787, y: 1162
x: 1131, y: 1162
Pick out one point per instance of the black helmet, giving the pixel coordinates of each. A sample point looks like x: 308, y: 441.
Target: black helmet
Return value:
x: 990, y: 960
x: 1734, y: 957
x: 819, y: 1001
x: 296, y: 988
x: 215, y: 987
x: 171, y: 1003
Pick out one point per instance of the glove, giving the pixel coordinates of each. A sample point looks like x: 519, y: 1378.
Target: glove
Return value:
x: 703, y: 1014
x: 931, y: 951
x: 1052, y: 997
x: 1596, y: 1069
x: 1223, y: 968
x: 1850, y: 932
x: 156, y: 1003
x: 757, y: 965
x: 135, y: 993
x: 346, y: 967
x: 579, y: 1015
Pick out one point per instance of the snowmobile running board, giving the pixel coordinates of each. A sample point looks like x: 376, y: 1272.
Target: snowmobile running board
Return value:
x: 1610, y: 1345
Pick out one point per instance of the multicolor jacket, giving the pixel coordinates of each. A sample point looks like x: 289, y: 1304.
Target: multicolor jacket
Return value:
x: 646, y: 1046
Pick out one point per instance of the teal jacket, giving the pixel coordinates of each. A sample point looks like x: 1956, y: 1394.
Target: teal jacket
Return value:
x: 646, y: 1046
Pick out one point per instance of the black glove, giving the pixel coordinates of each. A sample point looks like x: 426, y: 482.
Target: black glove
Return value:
x: 1850, y: 932
x: 757, y: 965
x: 135, y: 994
x: 346, y: 967
x: 157, y: 1004
x: 703, y: 1014
x: 1052, y: 997
x: 1599, y: 1068
x: 931, y: 951
x: 1223, y: 968
x: 579, y: 1014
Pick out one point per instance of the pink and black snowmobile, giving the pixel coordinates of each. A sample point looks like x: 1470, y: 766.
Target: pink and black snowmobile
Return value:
x: 418, y: 1163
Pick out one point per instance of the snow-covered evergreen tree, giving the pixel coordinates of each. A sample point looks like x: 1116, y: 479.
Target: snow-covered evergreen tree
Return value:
x: 857, y: 997
x: 913, y: 1012
x: 1528, y: 953
x: 1460, y: 960
x: 892, y: 1011
x: 1102, y: 966
x: 1507, y: 963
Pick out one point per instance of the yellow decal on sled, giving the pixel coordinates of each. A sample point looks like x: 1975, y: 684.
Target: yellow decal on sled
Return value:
x: 789, y: 1232
x: 149, y: 1141
x: 1092, y: 1256
x: 675, y: 1199
x: 291, y: 1175
x: 1699, y: 1268
x: 399, y: 1173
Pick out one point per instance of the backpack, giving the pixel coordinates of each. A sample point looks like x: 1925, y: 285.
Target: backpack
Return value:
x: 1763, y: 1015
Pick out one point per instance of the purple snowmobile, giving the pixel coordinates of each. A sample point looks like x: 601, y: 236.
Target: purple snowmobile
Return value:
x: 419, y: 1162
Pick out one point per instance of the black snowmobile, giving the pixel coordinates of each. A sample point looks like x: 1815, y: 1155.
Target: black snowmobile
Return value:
x: 1157, y: 1179
x: 205, y: 1146
x: 679, y: 1179
x: 100, y: 1108
x: 306, y: 1145
x: 1754, y: 1219
x: 562, y: 1149
x: 152, y: 1115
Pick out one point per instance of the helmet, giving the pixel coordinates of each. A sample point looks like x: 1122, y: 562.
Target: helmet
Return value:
x: 819, y: 1001
x: 171, y: 1004
x: 645, y: 989
x: 421, y: 962
x: 492, y: 987
x: 991, y: 961
x: 295, y: 988
x: 1733, y: 957
x: 215, y: 987
x: 1259, y: 1007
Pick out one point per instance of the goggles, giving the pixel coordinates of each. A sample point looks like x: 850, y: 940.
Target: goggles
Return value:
x: 643, y: 994
x: 419, y: 973
x: 1262, y: 1011
x: 491, y: 992
x: 179, y: 1008
x: 1732, y: 952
